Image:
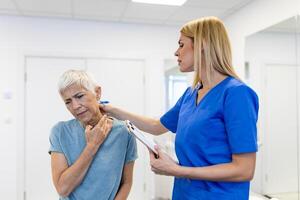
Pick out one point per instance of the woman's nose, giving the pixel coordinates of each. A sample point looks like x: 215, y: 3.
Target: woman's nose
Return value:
x: 75, y: 105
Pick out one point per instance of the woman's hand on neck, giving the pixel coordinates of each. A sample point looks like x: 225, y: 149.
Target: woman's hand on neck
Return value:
x: 95, y: 119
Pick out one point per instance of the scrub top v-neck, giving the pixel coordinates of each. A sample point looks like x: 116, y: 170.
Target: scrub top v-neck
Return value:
x: 208, y: 133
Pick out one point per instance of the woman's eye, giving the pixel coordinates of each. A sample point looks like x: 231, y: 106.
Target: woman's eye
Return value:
x: 67, y: 102
x: 180, y: 45
x: 79, y: 96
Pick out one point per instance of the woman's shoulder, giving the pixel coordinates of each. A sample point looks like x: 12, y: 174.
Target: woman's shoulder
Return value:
x: 119, y: 131
x: 239, y: 88
x: 236, y: 84
x: 64, y: 126
x: 189, y: 91
x: 119, y: 126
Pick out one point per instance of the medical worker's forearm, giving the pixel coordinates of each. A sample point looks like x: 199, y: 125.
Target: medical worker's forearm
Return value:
x: 146, y: 124
x: 73, y: 175
x: 235, y: 171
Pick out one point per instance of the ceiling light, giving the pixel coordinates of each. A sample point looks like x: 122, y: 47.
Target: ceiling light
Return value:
x: 162, y: 2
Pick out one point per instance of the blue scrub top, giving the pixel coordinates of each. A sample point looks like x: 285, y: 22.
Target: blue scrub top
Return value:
x: 222, y: 124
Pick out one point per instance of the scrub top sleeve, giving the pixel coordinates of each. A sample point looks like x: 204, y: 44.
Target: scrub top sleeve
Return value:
x: 240, y: 117
x: 170, y: 118
x: 54, y: 139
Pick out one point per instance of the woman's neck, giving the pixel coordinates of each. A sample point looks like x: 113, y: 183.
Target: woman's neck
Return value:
x: 216, y: 78
x: 95, y: 119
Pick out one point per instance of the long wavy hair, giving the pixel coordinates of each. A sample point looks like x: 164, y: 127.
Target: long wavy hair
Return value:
x: 212, y: 42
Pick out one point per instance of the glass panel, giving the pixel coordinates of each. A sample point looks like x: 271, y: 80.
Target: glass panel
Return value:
x: 176, y: 87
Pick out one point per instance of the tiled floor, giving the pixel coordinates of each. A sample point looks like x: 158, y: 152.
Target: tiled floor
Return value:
x: 287, y: 196
x: 283, y: 196
x: 254, y: 196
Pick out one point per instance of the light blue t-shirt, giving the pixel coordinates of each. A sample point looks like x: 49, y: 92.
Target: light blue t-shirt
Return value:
x: 222, y: 124
x: 103, y: 177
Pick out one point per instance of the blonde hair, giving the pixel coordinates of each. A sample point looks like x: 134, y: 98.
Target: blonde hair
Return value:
x: 79, y: 77
x: 211, y: 41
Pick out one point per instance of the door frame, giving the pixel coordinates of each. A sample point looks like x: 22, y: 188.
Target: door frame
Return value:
x: 263, y: 115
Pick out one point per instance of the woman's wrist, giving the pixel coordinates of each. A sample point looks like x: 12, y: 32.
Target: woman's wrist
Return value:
x: 91, y: 150
x: 180, y: 171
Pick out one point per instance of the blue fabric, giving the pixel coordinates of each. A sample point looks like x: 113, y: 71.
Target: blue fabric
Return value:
x: 103, y: 178
x: 222, y: 124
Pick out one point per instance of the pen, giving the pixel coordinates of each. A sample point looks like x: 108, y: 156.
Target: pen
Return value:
x: 103, y: 102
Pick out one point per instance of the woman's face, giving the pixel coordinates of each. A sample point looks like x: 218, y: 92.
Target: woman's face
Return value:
x: 81, y: 103
x: 185, y: 54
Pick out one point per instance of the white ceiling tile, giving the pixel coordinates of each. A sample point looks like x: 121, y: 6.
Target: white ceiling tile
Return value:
x: 127, y: 1
x: 148, y: 11
x: 109, y: 8
x: 7, y: 5
x: 122, y: 10
x: 190, y: 13
x: 215, y: 3
x: 48, y: 6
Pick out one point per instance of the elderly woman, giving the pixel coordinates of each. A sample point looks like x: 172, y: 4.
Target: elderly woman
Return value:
x: 92, y: 156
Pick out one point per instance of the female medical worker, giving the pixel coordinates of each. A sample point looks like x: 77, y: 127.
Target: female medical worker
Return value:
x: 214, y: 120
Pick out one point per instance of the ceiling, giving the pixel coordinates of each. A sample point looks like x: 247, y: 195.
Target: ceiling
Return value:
x: 121, y: 10
x: 290, y: 25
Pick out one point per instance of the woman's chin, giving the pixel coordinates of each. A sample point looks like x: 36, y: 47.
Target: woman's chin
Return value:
x: 182, y: 69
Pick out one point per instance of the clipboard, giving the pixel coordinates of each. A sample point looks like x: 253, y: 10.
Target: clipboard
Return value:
x: 140, y: 136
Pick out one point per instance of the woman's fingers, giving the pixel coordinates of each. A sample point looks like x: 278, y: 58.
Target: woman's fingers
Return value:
x: 101, y: 121
x: 152, y: 155
x: 102, y: 108
x: 107, y: 126
x: 88, y: 128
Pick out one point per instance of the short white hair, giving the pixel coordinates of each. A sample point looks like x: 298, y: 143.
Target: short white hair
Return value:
x: 79, y: 77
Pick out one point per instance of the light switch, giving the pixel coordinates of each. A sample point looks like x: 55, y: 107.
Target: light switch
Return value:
x: 7, y: 95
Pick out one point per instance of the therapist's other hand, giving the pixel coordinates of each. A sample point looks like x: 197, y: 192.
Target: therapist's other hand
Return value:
x: 162, y: 163
x: 96, y: 135
x: 105, y: 108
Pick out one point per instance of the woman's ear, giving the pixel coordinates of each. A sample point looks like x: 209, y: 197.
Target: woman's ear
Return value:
x: 98, y: 92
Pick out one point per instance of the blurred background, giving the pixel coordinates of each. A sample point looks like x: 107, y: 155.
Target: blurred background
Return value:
x: 129, y: 48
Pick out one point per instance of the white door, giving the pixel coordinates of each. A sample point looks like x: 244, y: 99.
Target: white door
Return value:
x: 122, y: 83
x: 280, y: 142
x: 43, y: 108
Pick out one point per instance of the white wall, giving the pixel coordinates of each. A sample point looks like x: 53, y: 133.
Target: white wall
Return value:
x: 57, y: 37
x: 254, y: 17
x: 262, y: 49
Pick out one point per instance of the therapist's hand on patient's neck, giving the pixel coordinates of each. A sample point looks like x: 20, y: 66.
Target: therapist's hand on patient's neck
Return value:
x: 96, y: 135
x: 106, y: 108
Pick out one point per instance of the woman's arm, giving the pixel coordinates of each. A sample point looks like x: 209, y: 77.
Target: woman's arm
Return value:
x: 126, y: 182
x: 67, y: 178
x: 146, y: 124
x: 240, y: 169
